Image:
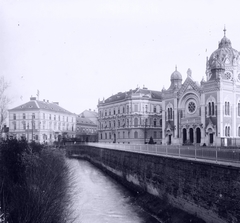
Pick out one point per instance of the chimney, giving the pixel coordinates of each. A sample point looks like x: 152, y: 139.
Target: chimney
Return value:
x: 56, y: 103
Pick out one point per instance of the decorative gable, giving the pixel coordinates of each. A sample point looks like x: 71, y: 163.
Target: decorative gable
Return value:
x: 189, y: 84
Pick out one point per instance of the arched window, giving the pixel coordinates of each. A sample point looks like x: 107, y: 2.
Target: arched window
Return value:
x: 123, y: 135
x: 127, y: 122
x: 135, y: 134
x: 109, y: 124
x: 225, y: 108
x: 135, y: 122
x: 118, y: 123
x: 213, y: 108
x: 209, y: 108
x: 105, y: 135
x: 160, y: 122
x: 154, y: 109
x: 127, y: 109
x: 228, y: 130
x: 228, y: 108
x: 123, y: 110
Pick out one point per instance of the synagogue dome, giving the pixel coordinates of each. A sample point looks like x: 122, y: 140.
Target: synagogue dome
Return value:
x: 176, y: 75
x: 224, y: 55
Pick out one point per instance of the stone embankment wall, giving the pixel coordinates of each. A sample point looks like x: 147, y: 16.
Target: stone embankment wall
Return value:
x: 209, y: 191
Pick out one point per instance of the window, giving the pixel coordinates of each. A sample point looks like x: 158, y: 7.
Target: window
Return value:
x: 123, y: 110
x: 50, y: 117
x: 169, y: 113
x: 238, y: 108
x: 101, y: 136
x: 135, y: 134
x: 128, y: 134
x: 227, y: 108
x: 154, y: 134
x: 238, y: 131
x: 118, y: 123
x: 160, y: 122
x: 105, y: 135
x: 33, y: 115
x: 154, y: 109
x: 127, y: 109
x: 109, y: 112
x: 154, y: 122
x: 43, y: 115
x: 105, y: 112
x: 110, y: 135
x: 227, y: 131
x: 24, y: 125
x: 114, y: 112
x: 127, y: 122
x: 135, y: 122
x: 24, y: 116
x: 191, y: 107
x: 136, y: 108
x: 123, y: 135
x: 118, y: 110
x: 14, y: 116
x: 114, y: 123
x: 54, y: 117
x: 109, y: 124
x: 118, y: 135
x: 146, y: 108
x: 59, y: 118
x: 14, y: 126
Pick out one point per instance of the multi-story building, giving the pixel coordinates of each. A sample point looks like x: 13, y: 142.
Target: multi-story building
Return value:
x: 41, y: 121
x: 131, y: 117
x: 186, y: 113
x: 86, y: 129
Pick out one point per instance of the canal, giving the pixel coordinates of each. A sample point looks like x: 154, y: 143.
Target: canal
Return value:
x: 97, y: 198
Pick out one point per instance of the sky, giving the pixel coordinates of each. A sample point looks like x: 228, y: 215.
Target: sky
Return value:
x: 76, y: 52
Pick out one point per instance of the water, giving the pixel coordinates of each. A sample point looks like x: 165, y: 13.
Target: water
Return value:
x: 97, y: 198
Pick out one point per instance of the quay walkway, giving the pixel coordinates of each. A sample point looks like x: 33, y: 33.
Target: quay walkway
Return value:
x: 229, y: 157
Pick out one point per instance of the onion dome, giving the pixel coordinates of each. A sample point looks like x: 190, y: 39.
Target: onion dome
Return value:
x: 224, y: 56
x: 176, y: 75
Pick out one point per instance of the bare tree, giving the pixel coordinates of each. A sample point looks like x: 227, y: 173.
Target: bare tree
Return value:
x: 4, y: 102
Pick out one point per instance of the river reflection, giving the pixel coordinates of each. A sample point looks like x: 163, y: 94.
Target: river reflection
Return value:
x: 99, y: 199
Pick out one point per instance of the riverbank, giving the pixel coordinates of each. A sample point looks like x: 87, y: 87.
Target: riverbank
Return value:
x: 159, y: 208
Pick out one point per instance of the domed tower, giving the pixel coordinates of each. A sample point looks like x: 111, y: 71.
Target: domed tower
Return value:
x: 176, y: 79
x: 224, y: 62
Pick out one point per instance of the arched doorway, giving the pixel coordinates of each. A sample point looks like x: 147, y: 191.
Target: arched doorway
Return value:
x: 191, y: 135
x: 198, y: 135
x: 184, y: 135
x: 169, y: 139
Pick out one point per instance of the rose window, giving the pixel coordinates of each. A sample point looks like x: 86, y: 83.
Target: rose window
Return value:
x: 228, y: 75
x: 191, y: 107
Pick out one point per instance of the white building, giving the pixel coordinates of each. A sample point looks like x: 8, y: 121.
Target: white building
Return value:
x: 41, y: 121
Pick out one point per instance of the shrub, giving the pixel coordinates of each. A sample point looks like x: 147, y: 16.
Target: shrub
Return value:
x: 35, y: 183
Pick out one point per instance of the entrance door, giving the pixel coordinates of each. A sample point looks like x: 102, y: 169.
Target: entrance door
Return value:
x: 184, y: 135
x: 211, y: 138
x: 191, y: 135
x: 169, y: 139
x: 198, y: 133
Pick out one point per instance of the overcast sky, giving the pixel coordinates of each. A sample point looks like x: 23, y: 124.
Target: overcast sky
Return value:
x: 76, y: 52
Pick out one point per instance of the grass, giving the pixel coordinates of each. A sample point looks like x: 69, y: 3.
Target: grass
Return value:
x: 34, y: 183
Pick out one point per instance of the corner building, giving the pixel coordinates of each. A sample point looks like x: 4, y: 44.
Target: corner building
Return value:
x: 131, y: 117
x: 208, y: 112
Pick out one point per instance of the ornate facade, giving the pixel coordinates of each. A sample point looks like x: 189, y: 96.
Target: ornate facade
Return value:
x: 131, y: 117
x: 186, y: 113
x: 208, y: 112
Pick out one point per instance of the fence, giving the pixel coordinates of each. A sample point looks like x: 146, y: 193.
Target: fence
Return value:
x: 198, y: 153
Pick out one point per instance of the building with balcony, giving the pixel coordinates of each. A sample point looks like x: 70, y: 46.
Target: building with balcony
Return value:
x: 131, y: 117
x: 41, y: 121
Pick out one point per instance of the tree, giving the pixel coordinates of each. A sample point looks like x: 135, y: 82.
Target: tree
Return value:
x: 4, y: 102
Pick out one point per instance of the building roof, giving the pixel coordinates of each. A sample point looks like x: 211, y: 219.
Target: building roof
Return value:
x: 34, y: 105
x: 144, y: 92
x: 91, y: 115
x: 84, y: 121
